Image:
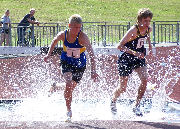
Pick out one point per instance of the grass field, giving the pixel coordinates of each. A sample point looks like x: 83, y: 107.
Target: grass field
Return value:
x: 91, y: 10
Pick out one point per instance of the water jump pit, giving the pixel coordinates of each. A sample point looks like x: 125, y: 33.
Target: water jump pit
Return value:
x: 25, y: 82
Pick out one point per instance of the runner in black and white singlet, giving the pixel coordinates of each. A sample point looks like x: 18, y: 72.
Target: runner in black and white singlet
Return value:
x: 133, y: 57
x: 127, y: 62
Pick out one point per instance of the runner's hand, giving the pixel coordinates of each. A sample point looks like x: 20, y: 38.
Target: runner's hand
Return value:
x: 94, y: 76
x: 139, y: 54
x: 46, y: 58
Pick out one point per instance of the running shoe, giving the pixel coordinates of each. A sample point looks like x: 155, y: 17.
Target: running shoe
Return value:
x: 137, y: 111
x: 113, y: 107
x: 69, y: 115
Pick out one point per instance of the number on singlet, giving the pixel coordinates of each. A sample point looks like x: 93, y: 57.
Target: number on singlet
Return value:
x: 73, y: 52
x: 141, y: 42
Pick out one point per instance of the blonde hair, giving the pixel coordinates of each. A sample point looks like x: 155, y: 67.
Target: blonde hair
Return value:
x: 76, y: 18
x: 144, y: 13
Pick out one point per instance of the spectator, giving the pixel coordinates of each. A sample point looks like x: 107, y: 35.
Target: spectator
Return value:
x: 6, y: 24
x: 22, y: 26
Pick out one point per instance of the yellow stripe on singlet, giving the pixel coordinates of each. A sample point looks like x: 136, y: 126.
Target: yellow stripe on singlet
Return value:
x: 83, y: 49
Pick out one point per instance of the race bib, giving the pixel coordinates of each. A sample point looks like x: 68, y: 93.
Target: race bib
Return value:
x: 141, y: 42
x: 73, y: 52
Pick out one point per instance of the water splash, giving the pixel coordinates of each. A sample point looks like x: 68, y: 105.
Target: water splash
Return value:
x: 90, y: 100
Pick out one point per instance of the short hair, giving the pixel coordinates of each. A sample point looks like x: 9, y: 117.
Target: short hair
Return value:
x: 76, y: 18
x: 144, y: 13
x: 32, y: 9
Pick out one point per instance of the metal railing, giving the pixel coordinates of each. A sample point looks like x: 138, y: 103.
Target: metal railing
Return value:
x: 166, y: 32
x: 99, y: 33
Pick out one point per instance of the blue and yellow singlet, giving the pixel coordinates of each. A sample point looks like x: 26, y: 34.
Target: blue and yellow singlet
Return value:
x: 73, y: 53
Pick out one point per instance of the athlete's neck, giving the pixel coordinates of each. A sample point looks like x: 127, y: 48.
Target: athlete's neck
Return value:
x: 142, y: 29
x: 71, y: 36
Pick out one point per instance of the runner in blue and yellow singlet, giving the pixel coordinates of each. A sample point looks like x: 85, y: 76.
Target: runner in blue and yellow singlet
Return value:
x: 73, y: 58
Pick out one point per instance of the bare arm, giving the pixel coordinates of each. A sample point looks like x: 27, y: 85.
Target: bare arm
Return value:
x: 130, y: 35
x: 149, y: 42
x: 33, y: 22
x: 84, y: 40
x: 60, y: 36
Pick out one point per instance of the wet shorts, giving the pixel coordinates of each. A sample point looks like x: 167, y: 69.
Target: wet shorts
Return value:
x: 77, y: 73
x: 127, y: 63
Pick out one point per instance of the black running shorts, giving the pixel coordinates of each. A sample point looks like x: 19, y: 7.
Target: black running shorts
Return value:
x: 127, y: 63
x: 77, y: 73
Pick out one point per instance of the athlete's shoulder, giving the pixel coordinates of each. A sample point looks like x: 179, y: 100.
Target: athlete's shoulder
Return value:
x: 133, y: 29
x: 61, y: 35
x: 83, y: 39
x: 83, y: 36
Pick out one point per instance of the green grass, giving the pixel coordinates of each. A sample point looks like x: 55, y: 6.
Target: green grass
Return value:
x: 57, y: 11
x: 91, y: 10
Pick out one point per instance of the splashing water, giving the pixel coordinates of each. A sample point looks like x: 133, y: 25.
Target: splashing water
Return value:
x: 91, y: 101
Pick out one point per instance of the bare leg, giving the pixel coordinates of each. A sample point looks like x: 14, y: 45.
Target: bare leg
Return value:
x: 2, y: 39
x: 7, y: 39
x: 68, y: 93
x: 121, y: 88
x: 70, y: 85
x: 142, y: 73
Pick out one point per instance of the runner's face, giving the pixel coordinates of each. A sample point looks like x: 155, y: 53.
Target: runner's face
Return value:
x: 74, y: 28
x: 145, y: 22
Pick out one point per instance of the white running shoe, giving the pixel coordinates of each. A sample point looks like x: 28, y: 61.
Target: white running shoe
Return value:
x: 137, y: 111
x: 113, y: 107
x: 69, y: 115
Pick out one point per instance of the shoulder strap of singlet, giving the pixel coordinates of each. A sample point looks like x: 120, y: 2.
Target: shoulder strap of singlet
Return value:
x: 138, y: 32
x: 148, y: 30
x: 78, y: 34
x: 65, y: 35
x: 77, y: 38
